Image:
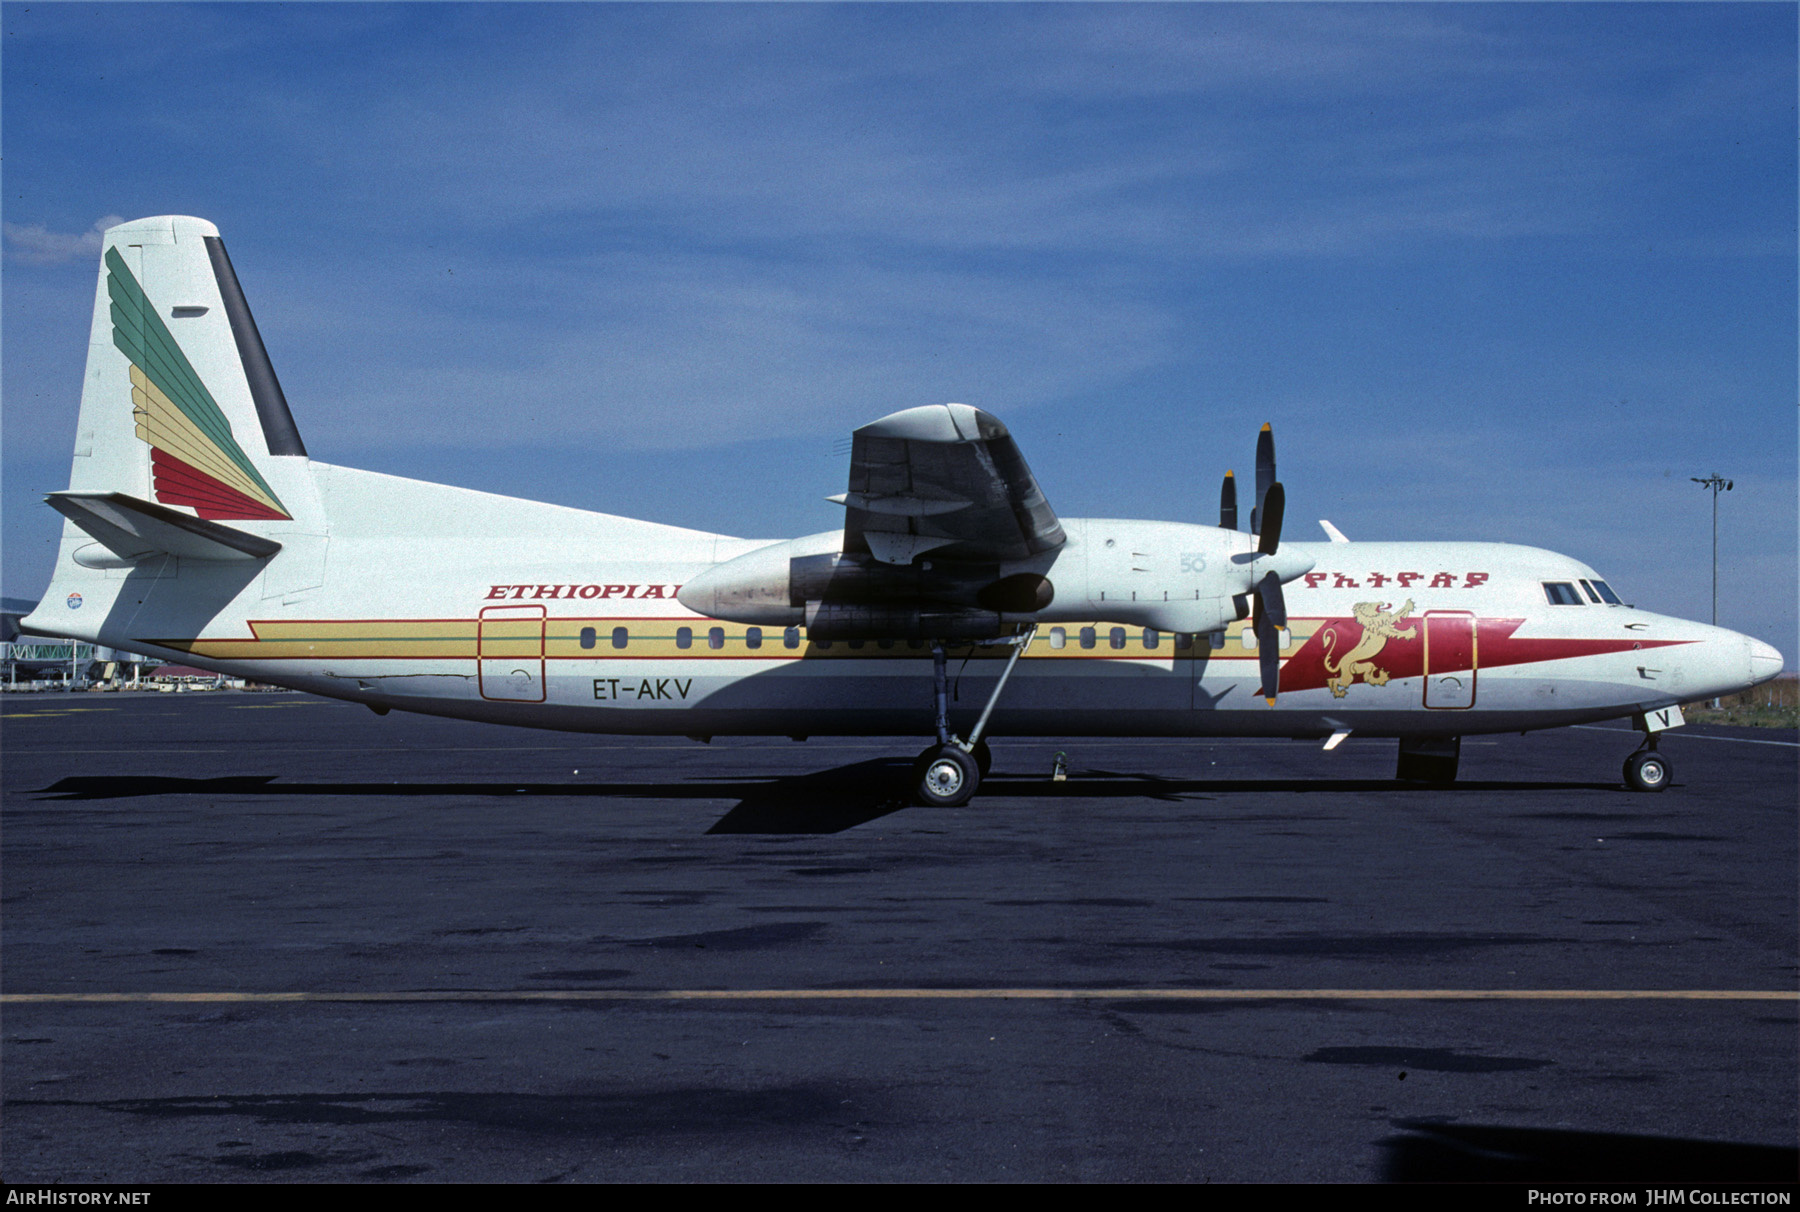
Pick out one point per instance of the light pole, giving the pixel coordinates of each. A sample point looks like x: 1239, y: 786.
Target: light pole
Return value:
x: 1717, y: 485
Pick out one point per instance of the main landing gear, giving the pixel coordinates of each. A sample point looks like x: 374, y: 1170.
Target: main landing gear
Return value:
x: 947, y: 774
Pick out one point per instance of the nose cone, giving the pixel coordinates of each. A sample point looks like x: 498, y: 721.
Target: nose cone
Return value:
x: 1765, y: 661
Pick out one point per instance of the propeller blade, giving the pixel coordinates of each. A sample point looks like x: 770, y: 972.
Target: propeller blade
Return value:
x: 1270, y: 602
x: 1265, y: 474
x: 1273, y: 506
x: 1269, y: 618
x: 1228, y: 503
x: 1268, y: 658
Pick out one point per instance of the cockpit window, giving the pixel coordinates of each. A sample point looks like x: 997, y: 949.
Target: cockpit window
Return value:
x: 1589, y: 590
x: 1561, y: 593
x: 1607, y: 595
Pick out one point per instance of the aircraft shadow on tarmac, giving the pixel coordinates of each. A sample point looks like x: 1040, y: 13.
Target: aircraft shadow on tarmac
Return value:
x: 821, y: 802
x: 1428, y: 1152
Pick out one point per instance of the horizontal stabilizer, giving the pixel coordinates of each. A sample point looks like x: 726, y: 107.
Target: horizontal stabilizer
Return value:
x: 134, y: 530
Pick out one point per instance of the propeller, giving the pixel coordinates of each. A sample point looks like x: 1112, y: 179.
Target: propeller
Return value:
x: 1265, y: 572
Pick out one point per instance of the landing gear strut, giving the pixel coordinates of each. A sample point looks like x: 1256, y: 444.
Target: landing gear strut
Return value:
x: 947, y: 774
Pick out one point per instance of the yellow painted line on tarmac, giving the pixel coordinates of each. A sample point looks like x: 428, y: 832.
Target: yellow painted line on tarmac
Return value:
x: 920, y: 994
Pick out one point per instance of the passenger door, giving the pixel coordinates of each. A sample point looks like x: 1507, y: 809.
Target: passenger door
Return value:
x: 509, y: 654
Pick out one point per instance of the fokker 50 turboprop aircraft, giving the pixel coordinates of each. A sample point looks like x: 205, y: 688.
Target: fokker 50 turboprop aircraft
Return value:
x: 198, y: 529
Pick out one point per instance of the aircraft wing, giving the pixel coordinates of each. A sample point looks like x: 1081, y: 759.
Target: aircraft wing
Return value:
x: 946, y: 478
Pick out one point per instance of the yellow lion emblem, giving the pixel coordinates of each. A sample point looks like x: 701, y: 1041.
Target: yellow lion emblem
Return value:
x: 1378, y: 628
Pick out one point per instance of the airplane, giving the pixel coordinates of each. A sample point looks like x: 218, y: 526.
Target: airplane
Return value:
x: 953, y: 603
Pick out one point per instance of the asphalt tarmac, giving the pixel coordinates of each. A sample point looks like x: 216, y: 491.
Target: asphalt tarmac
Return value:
x: 401, y: 948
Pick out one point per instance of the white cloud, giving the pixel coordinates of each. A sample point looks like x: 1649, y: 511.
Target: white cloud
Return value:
x: 35, y: 244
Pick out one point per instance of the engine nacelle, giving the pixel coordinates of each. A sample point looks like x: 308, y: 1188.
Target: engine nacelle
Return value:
x: 784, y: 584
x: 754, y: 588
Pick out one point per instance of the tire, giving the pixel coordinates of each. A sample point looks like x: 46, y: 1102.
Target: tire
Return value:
x: 1648, y: 770
x: 984, y: 757
x: 945, y: 777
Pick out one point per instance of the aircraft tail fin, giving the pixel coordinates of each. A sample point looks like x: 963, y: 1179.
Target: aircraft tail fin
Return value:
x: 180, y: 406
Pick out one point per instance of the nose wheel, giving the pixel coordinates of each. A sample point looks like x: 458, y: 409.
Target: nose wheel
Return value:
x: 1647, y: 770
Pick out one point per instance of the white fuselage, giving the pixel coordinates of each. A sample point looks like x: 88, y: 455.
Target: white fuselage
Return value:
x: 427, y: 598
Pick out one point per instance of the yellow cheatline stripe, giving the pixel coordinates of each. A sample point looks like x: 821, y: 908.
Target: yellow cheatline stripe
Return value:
x: 650, y: 638
x: 924, y: 994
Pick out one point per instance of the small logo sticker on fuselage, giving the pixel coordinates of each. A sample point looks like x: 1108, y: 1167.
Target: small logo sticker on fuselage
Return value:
x: 74, y: 601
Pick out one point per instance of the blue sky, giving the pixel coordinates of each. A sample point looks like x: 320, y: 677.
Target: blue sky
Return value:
x: 1508, y: 272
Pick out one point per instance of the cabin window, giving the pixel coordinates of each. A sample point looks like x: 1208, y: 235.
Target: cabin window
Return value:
x: 1589, y: 590
x: 1561, y: 593
x: 684, y: 637
x: 1184, y: 640
x: 1058, y: 637
x: 1606, y: 594
x: 790, y: 638
x: 753, y: 638
x: 821, y: 645
x: 915, y: 644
x: 1116, y: 637
x: 715, y: 637
x: 856, y: 645
x: 589, y: 637
x: 884, y: 645
x: 1152, y: 637
x: 620, y: 637
x: 1087, y: 637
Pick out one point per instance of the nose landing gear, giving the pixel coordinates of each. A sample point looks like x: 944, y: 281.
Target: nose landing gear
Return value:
x: 1648, y: 770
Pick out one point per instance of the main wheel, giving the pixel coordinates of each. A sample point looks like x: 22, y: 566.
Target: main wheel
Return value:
x: 1647, y: 770
x: 945, y: 777
x: 984, y: 757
